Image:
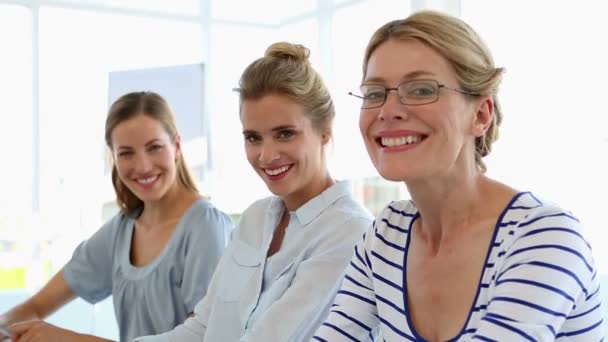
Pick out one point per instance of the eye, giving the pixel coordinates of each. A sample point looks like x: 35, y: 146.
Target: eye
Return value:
x: 373, y: 93
x: 420, y: 90
x: 285, y: 134
x: 155, y: 147
x: 125, y: 154
x: 252, y: 138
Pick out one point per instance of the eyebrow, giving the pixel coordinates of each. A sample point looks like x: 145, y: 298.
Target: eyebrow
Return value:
x: 151, y: 142
x: 283, y: 127
x: 409, y: 75
x: 274, y: 129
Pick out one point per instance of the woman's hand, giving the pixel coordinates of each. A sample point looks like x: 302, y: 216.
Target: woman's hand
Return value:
x: 37, y: 330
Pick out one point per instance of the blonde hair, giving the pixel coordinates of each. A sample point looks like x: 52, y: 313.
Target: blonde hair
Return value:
x: 152, y: 105
x: 286, y: 70
x: 464, y: 50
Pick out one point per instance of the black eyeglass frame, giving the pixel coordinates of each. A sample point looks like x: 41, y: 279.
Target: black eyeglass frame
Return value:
x: 387, y: 90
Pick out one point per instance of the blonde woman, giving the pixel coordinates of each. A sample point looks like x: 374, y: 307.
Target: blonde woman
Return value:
x: 288, y: 254
x: 467, y: 258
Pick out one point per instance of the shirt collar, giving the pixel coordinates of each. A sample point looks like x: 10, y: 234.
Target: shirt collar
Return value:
x: 313, y: 208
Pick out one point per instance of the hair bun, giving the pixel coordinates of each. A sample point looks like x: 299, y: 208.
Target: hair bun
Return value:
x: 287, y: 50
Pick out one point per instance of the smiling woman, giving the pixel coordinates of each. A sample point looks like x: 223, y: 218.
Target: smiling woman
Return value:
x: 281, y: 142
x: 164, y: 244
x: 287, y: 256
x: 468, y: 257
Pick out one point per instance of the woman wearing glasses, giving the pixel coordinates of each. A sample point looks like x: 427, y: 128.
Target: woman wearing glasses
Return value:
x: 287, y: 256
x: 157, y: 255
x: 467, y: 258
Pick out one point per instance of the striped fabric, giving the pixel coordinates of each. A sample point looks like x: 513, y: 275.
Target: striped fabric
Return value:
x: 539, y: 282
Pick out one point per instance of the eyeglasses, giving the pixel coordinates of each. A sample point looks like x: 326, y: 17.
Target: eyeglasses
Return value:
x: 411, y: 93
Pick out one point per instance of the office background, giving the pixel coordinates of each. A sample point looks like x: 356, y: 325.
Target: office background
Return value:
x: 57, y: 58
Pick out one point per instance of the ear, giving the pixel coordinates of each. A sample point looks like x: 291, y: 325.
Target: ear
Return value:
x: 177, y: 141
x: 484, y: 113
x: 325, y: 137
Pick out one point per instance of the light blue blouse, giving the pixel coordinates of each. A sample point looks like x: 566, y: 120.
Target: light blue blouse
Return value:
x: 157, y: 297
x: 287, y: 296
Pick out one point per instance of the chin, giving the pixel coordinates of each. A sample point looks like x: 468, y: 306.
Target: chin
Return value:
x: 392, y: 177
x: 150, y: 198
x: 395, y: 175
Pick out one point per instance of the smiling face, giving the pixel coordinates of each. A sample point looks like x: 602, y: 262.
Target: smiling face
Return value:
x: 144, y: 155
x: 284, y: 148
x: 409, y: 142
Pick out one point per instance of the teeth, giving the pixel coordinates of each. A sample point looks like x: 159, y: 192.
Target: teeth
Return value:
x: 398, y: 141
x: 147, y: 180
x: 276, y: 171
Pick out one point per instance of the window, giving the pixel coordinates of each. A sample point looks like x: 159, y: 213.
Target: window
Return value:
x: 16, y: 174
x: 353, y: 26
x: 178, y: 7
x: 553, y: 141
x: 233, y: 47
x: 263, y: 12
x: 78, y: 50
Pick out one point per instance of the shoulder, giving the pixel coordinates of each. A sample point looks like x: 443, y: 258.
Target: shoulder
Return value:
x: 546, y: 232
x: 261, y: 205
x: 257, y: 210
x: 253, y: 218
x: 202, y: 221
x: 203, y: 212
x: 347, y: 211
x: 529, y: 217
x: 396, y: 214
x: 390, y: 229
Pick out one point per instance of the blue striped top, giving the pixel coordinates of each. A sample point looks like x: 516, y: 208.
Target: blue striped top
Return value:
x: 539, y: 282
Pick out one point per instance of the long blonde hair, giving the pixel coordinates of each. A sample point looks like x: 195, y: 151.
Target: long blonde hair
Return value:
x: 154, y: 106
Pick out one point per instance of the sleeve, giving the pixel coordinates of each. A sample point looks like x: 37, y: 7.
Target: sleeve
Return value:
x: 318, y: 277
x: 89, y: 271
x: 354, y: 315
x: 192, y: 330
x: 547, y: 272
x: 205, y: 248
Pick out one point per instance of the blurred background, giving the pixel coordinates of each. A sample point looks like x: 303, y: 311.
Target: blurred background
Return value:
x: 63, y: 61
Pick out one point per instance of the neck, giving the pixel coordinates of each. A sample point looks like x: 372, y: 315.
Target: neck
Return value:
x: 169, y: 207
x: 448, y: 205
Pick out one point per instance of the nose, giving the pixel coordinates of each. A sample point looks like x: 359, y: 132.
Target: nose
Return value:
x: 142, y: 164
x: 392, y: 109
x: 269, y: 152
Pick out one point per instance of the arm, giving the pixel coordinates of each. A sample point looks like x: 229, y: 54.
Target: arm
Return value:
x: 547, y: 274
x: 23, y: 321
x: 36, y: 330
x: 50, y: 298
x: 305, y: 304
x: 87, y: 274
x: 353, y: 316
